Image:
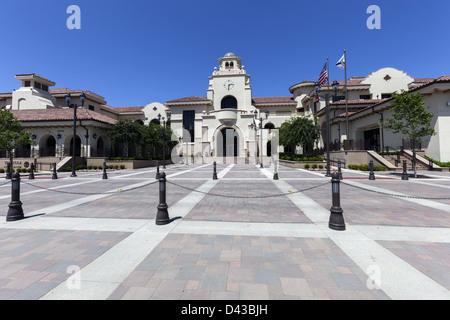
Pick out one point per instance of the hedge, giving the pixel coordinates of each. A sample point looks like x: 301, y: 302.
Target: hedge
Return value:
x: 365, y: 167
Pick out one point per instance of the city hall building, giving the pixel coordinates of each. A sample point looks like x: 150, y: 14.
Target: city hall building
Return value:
x: 229, y: 123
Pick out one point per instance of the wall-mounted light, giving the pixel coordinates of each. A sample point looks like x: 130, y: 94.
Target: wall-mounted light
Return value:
x: 58, y: 136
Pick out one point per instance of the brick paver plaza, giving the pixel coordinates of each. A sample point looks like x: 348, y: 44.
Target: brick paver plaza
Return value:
x: 107, y: 246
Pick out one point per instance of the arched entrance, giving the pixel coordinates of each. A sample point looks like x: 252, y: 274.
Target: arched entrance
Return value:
x: 100, y: 147
x: 47, y: 146
x: 228, y: 143
x: 77, y: 147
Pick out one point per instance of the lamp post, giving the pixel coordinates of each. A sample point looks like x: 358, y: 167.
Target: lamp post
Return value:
x: 164, y: 137
x: 255, y: 128
x: 327, y: 97
x: 260, y: 135
x: 74, y: 106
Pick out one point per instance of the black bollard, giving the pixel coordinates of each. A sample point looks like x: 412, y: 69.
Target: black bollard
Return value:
x: 275, y: 169
x: 162, y: 216
x: 340, y: 170
x: 371, y: 174
x: 31, y: 175
x: 336, y: 218
x: 54, y: 174
x: 404, y: 173
x: 215, y: 171
x: 8, y: 171
x: 157, y: 170
x: 15, y: 211
x: 105, y: 175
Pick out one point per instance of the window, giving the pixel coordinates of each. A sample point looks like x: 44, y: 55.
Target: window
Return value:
x: 91, y: 107
x: 44, y: 87
x: 365, y: 97
x: 338, y: 98
x: 37, y: 85
x: 189, y: 124
x: 229, y: 102
x: 27, y: 84
x: 386, y: 95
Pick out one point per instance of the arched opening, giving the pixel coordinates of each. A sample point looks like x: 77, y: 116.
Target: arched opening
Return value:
x: 228, y: 143
x: 139, y: 121
x: 100, y: 147
x: 48, y: 147
x: 77, y: 147
x: 229, y: 102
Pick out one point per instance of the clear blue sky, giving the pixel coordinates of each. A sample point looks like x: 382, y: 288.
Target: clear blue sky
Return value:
x: 136, y: 52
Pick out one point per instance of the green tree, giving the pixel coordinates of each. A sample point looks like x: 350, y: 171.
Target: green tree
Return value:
x: 411, y: 119
x: 126, y: 132
x: 12, y: 134
x: 299, y: 131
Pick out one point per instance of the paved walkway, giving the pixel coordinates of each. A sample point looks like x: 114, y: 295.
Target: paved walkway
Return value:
x: 244, y: 236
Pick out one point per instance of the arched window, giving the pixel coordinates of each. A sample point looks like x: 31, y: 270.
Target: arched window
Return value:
x: 229, y: 102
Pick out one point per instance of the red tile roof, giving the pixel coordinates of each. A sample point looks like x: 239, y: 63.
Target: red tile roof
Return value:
x: 129, y: 109
x: 274, y: 100
x: 57, y: 114
x: 189, y: 99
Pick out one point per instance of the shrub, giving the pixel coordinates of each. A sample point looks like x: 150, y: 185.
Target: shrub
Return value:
x: 2, y: 170
x: 122, y: 166
x: 320, y: 166
x: 89, y: 167
x: 314, y: 166
x: 307, y: 166
x: 116, y: 166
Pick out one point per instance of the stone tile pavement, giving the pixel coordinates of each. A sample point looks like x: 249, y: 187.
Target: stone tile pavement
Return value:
x: 258, y: 240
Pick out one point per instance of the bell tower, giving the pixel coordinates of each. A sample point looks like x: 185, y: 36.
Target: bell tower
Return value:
x: 230, y: 83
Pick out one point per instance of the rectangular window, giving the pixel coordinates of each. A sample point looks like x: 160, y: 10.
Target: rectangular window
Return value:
x: 386, y: 95
x: 365, y: 97
x: 44, y: 87
x: 189, y: 124
x: 37, y: 85
x: 27, y: 84
x: 91, y: 108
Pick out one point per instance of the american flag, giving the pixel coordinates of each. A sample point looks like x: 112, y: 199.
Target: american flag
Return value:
x: 323, y: 78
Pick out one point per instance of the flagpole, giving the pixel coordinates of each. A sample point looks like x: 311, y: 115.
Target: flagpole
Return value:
x: 346, y: 100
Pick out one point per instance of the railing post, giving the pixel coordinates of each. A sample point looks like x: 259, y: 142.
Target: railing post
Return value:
x: 157, y: 170
x: 105, y: 175
x: 275, y: 169
x: 8, y: 171
x: 371, y: 174
x: 162, y: 216
x: 15, y: 211
x: 54, y: 174
x: 31, y: 176
x: 336, y: 217
x: 214, y: 171
x: 340, y: 170
x: 404, y: 173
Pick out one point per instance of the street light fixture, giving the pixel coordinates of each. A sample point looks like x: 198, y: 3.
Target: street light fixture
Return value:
x: 260, y: 136
x: 327, y: 97
x: 74, y: 106
x: 164, y: 137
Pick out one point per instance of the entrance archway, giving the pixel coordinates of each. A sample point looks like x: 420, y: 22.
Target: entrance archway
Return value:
x: 47, y: 146
x: 77, y: 147
x: 228, y: 143
x: 100, y: 147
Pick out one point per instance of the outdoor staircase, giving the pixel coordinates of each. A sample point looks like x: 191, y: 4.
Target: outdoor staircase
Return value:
x: 421, y: 163
x: 63, y: 163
